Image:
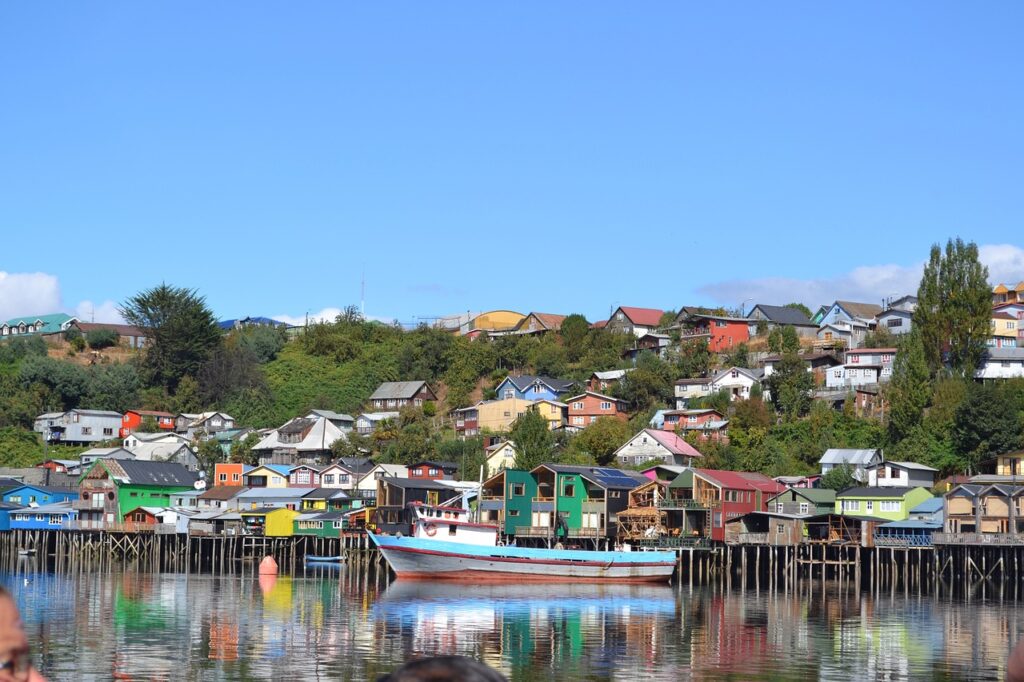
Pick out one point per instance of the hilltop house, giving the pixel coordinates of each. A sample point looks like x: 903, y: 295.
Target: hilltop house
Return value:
x: 602, y: 381
x: 778, y: 316
x: 587, y: 408
x: 527, y: 387
x: 898, y: 316
x: 56, y: 323
x: 128, y: 335
x: 817, y: 363
x: 737, y: 381
x: 78, y: 426
x: 132, y: 420
x: 299, y: 441
x: 367, y: 422
x: 863, y: 366
x: 1004, y: 330
x: 721, y: 331
x: 900, y: 475
x: 846, y: 321
x: 555, y: 412
x: 432, y: 470
x: 494, y: 416
x: 196, y: 425
x: 267, y: 476
x: 166, y: 452
x: 652, y: 445
x: 394, y: 395
x: 539, y: 323
x: 500, y: 456
x: 709, y: 424
x: 636, y: 321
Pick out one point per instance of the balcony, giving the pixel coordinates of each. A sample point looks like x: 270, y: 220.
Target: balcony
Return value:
x: 902, y: 540
x: 688, y: 503
x: 977, y: 539
x: 87, y: 505
x: 545, y: 531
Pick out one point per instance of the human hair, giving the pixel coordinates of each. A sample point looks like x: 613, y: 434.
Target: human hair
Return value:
x: 444, y: 669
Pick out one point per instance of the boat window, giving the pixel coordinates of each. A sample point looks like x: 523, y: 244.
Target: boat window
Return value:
x: 452, y: 529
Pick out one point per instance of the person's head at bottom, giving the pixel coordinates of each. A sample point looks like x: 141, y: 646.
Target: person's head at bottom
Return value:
x: 15, y: 661
x: 444, y: 669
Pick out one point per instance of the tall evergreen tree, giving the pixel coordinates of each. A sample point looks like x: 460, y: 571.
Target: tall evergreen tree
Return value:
x: 910, y: 388
x: 533, y: 440
x: 954, y: 307
x: 790, y: 340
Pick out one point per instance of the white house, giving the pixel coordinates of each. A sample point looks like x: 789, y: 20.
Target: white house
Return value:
x: 657, y: 447
x: 135, y: 439
x: 857, y: 460
x: 901, y: 475
x: 737, y: 381
x: 863, y: 366
x: 500, y: 456
x: 1001, y: 363
x: 367, y: 484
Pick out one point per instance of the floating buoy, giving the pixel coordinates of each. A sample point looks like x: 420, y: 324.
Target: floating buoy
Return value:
x: 268, y: 566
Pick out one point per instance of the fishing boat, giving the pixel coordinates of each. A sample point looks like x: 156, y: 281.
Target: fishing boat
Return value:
x: 445, y: 545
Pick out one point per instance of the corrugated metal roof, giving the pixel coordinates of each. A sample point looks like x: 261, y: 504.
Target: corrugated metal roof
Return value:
x: 781, y: 314
x: 155, y: 473
x: 398, y: 390
x: 645, y: 317
x: 848, y: 456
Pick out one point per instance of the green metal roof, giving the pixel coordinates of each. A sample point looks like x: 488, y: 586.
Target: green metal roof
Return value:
x: 51, y: 323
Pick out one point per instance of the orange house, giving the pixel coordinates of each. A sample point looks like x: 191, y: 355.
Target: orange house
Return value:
x: 132, y: 420
x: 587, y: 408
x: 229, y: 473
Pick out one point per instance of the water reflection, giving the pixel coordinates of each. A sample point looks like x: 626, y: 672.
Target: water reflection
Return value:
x: 335, y: 624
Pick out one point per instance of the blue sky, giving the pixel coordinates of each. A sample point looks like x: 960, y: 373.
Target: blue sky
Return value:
x: 561, y: 157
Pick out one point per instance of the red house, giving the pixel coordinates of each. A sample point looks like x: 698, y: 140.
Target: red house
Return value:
x: 304, y: 476
x: 132, y: 420
x: 723, y: 333
x: 432, y: 470
x: 708, y: 424
x: 728, y: 494
x: 586, y: 408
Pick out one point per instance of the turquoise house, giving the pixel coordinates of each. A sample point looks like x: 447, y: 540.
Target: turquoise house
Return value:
x: 40, y: 495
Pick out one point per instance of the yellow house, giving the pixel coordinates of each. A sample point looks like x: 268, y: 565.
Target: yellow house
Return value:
x: 1011, y: 464
x: 500, y: 456
x: 1008, y: 294
x: 268, y: 476
x: 497, y: 321
x: 497, y: 415
x: 552, y: 410
x: 271, y: 523
x: 1004, y: 327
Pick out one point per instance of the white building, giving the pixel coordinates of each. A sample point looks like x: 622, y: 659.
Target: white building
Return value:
x: 857, y: 460
x: 1001, y: 363
x: 901, y: 475
x: 863, y: 366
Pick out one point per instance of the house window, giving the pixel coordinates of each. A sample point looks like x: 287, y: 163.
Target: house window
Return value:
x: 342, y: 478
x: 578, y: 420
x: 735, y: 374
x: 851, y: 505
x: 108, y: 432
x: 224, y: 478
x: 613, y: 494
x: 606, y: 406
x: 432, y: 471
x: 780, y: 507
x: 39, y: 517
x: 805, y: 508
x: 569, y: 489
x: 328, y: 479
x: 870, y: 506
x: 234, y: 477
x: 509, y: 393
x: 518, y: 489
x: 692, y: 418
x: 889, y: 506
x: 577, y: 406
x: 854, y: 358
x: 593, y: 419
x: 886, y: 358
x: 780, y: 529
x: 86, y: 430
x: 894, y: 322
x: 513, y: 512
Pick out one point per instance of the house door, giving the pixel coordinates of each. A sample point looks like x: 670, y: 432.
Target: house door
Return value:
x: 542, y: 519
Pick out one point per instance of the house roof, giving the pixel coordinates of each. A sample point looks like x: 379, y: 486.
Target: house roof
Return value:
x: 781, y: 314
x: 595, y: 394
x: 398, y: 390
x: 611, y: 375
x: 645, y: 317
x: 815, y: 495
x: 222, y: 492
x: 862, y: 310
x: 132, y: 472
x: 740, y: 480
x: 51, y: 323
x: 43, y: 489
x: 874, y: 351
x: 157, y: 452
x: 929, y: 506
x: 326, y: 494
x: 908, y: 465
x: 320, y: 435
x: 330, y: 414
x: 600, y: 324
x: 416, y: 483
x: 548, y: 320
x: 670, y: 441
x: 847, y: 456
x: 377, y: 416
x: 151, y: 413
x: 914, y: 524
x: 524, y: 381
x: 275, y: 493
x: 55, y: 508
x: 1003, y: 316
x: 874, y: 492
x: 606, y: 477
x: 693, y: 382
x: 121, y: 329
x: 434, y: 463
x: 1004, y: 354
x: 754, y: 374
x: 98, y: 413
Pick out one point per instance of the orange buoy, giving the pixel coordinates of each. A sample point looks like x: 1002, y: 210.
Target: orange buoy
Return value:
x: 268, y: 566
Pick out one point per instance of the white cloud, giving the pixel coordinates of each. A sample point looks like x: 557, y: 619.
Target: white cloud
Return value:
x: 87, y: 311
x: 325, y: 315
x: 28, y: 293
x: 868, y: 284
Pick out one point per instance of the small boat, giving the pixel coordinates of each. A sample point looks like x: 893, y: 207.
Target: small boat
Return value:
x: 27, y: 552
x: 445, y: 545
x: 324, y: 559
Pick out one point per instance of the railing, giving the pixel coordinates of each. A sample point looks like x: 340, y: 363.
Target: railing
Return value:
x: 123, y: 527
x: 86, y: 504
x: 696, y: 331
x: 681, y: 503
x: 674, y: 543
x: 977, y: 539
x: 543, y: 499
x: 902, y: 540
x: 533, y: 531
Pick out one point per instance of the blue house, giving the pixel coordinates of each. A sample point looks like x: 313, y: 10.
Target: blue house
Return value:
x: 5, y: 515
x: 47, y: 517
x: 526, y: 387
x: 37, y: 494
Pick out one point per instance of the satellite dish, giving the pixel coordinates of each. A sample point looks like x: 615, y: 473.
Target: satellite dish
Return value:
x: 199, y: 485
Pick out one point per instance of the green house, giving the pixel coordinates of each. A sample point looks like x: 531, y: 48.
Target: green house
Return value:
x: 520, y: 489
x: 320, y: 524
x: 578, y: 502
x: 811, y: 501
x: 889, y: 503
x: 111, y: 487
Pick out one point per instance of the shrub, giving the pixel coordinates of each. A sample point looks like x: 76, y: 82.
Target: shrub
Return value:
x: 102, y: 338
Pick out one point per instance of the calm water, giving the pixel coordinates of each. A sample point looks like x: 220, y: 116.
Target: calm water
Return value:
x: 332, y: 625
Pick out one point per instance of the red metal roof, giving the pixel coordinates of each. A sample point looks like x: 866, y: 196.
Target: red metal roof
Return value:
x: 740, y: 480
x: 645, y: 317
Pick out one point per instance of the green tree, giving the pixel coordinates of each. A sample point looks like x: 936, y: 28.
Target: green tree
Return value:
x: 148, y: 424
x: 99, y: 339
x: 801, y: 307
x: 113, y: 387
x: 880, y: 338
x: 352, y: 445
x: 693, y: 359
x: 533, y: 440
x: 839, y: 478
x: 181, y: 329
x: 262, y: 341
x: 910, y: 388
x: 986, y: 424
x: 209, y: 453
x: 738, y: 356
x: 601, y: 439
x: 242, y: 450
x: 648, y: 385
x: 954, y: 308
x: 750, y: 414
x: 790, y: 386
x: 186, y: 397
x: 775, y: 340
x: 790, y: 340
x: 574, y: 332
